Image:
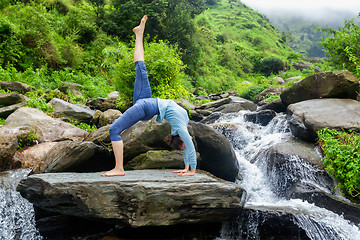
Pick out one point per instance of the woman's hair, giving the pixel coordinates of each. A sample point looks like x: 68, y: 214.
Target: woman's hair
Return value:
x: 174, y: 142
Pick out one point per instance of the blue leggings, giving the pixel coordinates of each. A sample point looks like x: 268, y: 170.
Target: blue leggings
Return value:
x: 144, y: 106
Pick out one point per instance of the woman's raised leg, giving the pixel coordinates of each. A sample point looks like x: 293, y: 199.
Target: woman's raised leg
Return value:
x: 141, y: 86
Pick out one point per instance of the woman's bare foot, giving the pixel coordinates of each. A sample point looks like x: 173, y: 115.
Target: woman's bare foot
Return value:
x: 140, y: 29
x: 114, y: 172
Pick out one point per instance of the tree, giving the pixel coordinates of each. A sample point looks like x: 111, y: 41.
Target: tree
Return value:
x: 343, y: 46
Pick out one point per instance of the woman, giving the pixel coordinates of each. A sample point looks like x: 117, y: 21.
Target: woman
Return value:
x: 144, y: 108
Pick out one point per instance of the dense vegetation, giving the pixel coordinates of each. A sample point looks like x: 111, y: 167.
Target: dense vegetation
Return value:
x: 342, y: 158
x: 343, y: 46
x: 212, y: 44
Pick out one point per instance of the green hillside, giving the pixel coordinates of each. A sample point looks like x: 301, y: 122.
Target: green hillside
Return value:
x: 234, y: 39
x: 211, y: 44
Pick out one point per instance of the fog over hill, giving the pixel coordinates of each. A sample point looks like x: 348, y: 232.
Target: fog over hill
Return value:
x: 300, y: 17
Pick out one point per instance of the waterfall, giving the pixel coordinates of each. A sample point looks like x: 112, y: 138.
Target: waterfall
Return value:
x: 16, y: 213
x: 266, y: 188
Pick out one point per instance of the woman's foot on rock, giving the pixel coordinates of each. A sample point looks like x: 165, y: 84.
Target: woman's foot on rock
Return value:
x: 114, y: 172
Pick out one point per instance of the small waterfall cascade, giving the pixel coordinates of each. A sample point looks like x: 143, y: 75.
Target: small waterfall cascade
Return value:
x: 17, y: 219
x: 266, y: 187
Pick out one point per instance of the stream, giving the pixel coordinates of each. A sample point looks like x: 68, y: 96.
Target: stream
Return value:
x: 264, y: 190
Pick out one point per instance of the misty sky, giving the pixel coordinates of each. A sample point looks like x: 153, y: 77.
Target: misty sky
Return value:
x: 311, y: 8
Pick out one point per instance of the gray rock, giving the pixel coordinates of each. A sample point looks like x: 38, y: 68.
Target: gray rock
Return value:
x: 276, y: 105
x: 15, y: 86
x: 72, y: 111
x: 213, y: 117
x: 7, y: 99
x: 235, y: 107
x: 338, y: 84
x: 45, y: 127
x: 114, y: 94
x: 272, y: 90
x: 6, y: 111
x: 108, y: 117
x: 33, y: 156
x: 309, y: 116
x: 217, y: 154
x: 68, y: 156
x: 100, y: 136
x: 215, y: 104
x: 278, y: 80
x: 8, y: 147
x: 140, y: 198
x: 160, y: 159
x: 301, y: 65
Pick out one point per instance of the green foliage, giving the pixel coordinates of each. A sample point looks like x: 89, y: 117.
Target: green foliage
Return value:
x: 2, y: 121
x: 342, y: 158
x: 270, y: 65
x: 164, y: 68
x: 84, y: 126
x: 343, y: 46
x: 253, y: 90
x: 27, y: 139
x: 37, y: 100
x: 271, y: 97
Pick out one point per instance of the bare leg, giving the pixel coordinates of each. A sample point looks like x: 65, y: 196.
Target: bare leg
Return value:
x: 139, y: 47
x: 118, y: 147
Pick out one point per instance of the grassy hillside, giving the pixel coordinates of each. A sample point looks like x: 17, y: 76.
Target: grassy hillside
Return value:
x: 234, y: 39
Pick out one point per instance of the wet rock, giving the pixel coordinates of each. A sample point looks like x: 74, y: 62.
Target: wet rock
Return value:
x: 261, y: 117
x: 213, y: 117
x: 217, y: 154
x: 337, y: 84
x: 72, y: 111
x: 140, y: 198
x: 295, y: 161
x: 309, y: 116
x: 276, y: 105
x: 320, y: 198
x: 234, y: 107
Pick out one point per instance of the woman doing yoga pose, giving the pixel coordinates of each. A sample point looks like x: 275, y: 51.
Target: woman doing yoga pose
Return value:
x: 144, y: 108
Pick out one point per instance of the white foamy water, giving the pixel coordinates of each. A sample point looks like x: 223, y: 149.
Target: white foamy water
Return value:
x: 250, y: 143
x: 16, y: 214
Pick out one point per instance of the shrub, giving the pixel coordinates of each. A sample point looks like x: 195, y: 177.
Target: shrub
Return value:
x: 28, y: 139
x: 270, y: 65
x: 342, y: 158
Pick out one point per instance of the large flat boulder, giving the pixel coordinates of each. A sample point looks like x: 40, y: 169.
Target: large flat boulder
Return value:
x: 332, y: 84
x: 309, y: 116
x: 140, y: 198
